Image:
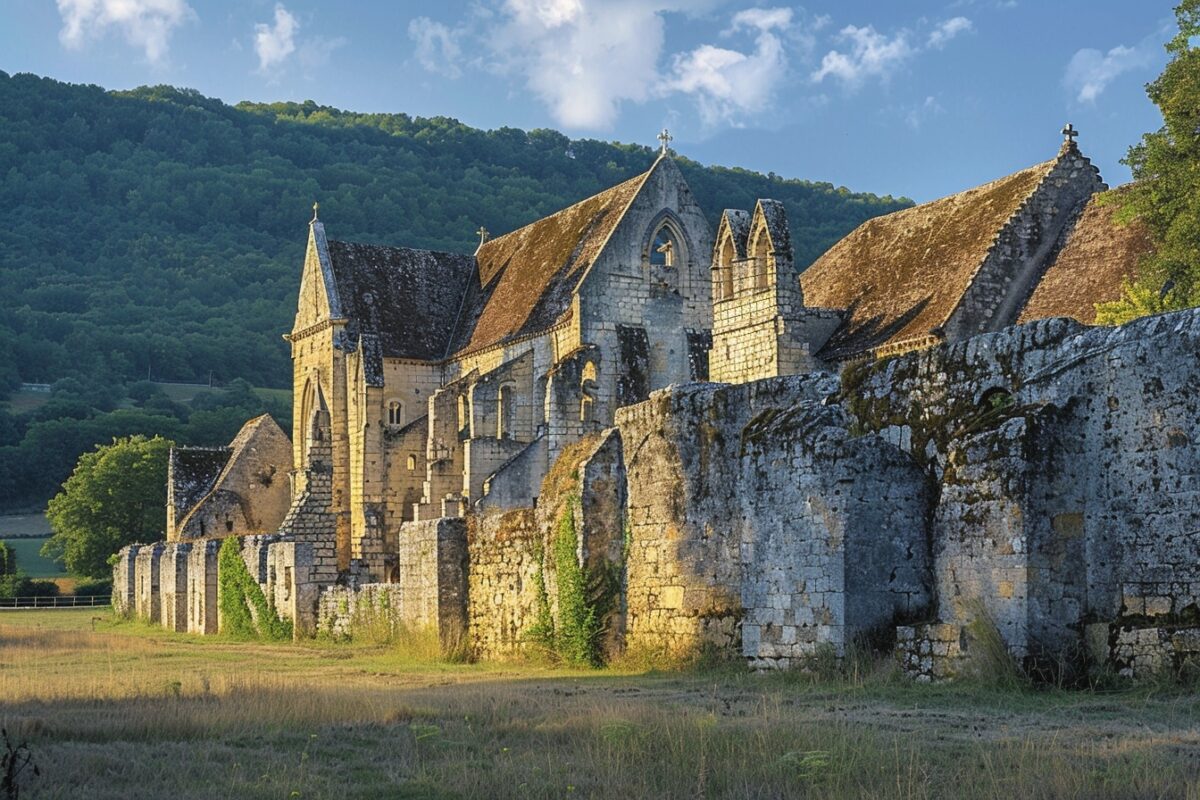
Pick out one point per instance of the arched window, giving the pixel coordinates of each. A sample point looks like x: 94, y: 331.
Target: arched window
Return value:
x: 412, y: 463
x: 504, y: 411
x: 725, y: 257
x: 395, y: 413
x: 759, y: 252
x: 464, y: 415
x: 664, y: 251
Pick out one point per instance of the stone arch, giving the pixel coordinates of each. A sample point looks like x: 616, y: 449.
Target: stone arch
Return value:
x: 588, y: 387
x: 760, y: 254
x: 505, y: 409
x: 726, y: 255
x: 395, y: 414
x: 993, y: 398
x: 312, y: 402
x: 663, y: 267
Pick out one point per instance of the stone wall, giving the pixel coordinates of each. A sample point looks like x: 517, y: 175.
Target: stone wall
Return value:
x: 202, y: 587
x: 147, y: 603
x: 503, y: 580
x: 124, y: 591
x: 173, y: 585
x: 757, y: 522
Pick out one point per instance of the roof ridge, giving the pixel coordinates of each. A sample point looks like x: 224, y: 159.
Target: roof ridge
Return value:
x: 1022, y: 207
x: 565, y: 209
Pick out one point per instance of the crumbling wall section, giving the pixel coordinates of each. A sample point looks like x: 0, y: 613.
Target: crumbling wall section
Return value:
x: 505, y: 581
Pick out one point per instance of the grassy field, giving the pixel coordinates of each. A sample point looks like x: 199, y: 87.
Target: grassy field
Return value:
x: 120, y: 710
x: 30, y: 559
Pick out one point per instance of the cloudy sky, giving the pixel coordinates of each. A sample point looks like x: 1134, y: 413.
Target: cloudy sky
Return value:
x: 909, y: 98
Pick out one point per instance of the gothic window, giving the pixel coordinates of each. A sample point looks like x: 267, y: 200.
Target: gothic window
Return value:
x: 395, y: 414
x: 759, y: 254
x: 464, y: 416
x: 664, y: 252
x: 504, y: 411
x: 725, y: 258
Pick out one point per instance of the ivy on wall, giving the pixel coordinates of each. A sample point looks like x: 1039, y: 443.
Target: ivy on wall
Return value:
x: 246, y: 613
x: 582, y: 599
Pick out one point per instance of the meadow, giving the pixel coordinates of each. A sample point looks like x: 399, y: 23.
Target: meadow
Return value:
x: 119, y: 710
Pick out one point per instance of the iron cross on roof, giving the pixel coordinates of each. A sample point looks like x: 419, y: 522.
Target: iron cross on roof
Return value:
x: 665, y: 138
x: 1070, y: 132
x: 483, y: 235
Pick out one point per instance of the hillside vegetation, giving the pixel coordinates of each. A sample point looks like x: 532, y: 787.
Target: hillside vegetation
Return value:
x: 157, y: 233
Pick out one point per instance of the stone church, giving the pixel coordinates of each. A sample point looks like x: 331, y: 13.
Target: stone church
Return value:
x: 443, y: 401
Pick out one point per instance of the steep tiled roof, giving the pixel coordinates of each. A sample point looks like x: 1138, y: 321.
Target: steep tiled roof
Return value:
x: 1098, y: 255
x: 901, y: 275
x: 526, y: 277
x: 193, y: 472
x: 406, y: 299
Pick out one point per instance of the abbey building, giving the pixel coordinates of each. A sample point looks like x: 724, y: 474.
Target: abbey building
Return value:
x: 675, y: 390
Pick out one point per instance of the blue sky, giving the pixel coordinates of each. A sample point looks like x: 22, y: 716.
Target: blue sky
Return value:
x: 908, y: 98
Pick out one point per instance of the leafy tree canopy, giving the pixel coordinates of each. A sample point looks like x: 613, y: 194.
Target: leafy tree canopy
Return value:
x: 1165, y: 194
x: 116, y: 496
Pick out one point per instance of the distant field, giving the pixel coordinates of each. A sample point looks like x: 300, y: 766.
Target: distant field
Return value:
x: 32, y: 562
x: 124, y: 710
x: 15, y: 526
x: 21, y: 401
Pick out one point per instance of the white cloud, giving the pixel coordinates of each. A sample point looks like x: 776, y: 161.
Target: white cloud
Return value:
x: 1091, y: 71
x: 582, y: 59
x: 917, y: 115
x: 145, y: 24
x: 729, y: 84
x: 871, y: 55
x: 274, y: 43
x: 764, y: 19
x: 438, y: 48
x: 948, y: 30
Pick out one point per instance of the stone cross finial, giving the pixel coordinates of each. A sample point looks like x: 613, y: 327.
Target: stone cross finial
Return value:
x: 665, y: 138
x: 483, y: 235
x: 316, y: 208
x: 1070, y: 132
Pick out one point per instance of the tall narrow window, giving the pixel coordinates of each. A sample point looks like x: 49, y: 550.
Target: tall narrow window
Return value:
x: 725, y: 260
x: 760, y: 255
x: 395, y: 414
x: 504, y: 411
x: 587, y: 395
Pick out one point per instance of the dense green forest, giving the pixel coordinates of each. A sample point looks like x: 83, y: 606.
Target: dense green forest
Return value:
x: 157, y: 234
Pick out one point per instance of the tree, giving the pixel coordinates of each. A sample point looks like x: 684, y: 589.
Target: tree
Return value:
x: 1165, y: 194
x: 116, y: 496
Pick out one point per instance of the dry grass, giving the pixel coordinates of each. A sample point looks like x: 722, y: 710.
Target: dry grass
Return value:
x: 128, y: 711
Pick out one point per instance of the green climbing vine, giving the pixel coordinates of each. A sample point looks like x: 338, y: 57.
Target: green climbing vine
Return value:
x: 246, y: 613
x: 579, y: 625
x: 583, y: 599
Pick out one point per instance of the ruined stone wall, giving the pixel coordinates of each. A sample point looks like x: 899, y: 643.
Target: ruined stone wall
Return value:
x: 503, y: 580
x: 173, y: 585
x: 202, y: 587
x: 757, y: 522
x: 124, y: 591
x: 147, y: 598
x: 1076, y: 499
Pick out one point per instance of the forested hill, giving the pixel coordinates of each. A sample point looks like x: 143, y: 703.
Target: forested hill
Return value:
x: 159, y: 232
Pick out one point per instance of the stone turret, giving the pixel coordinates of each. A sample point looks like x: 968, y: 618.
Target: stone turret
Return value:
x: 761, y: 327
